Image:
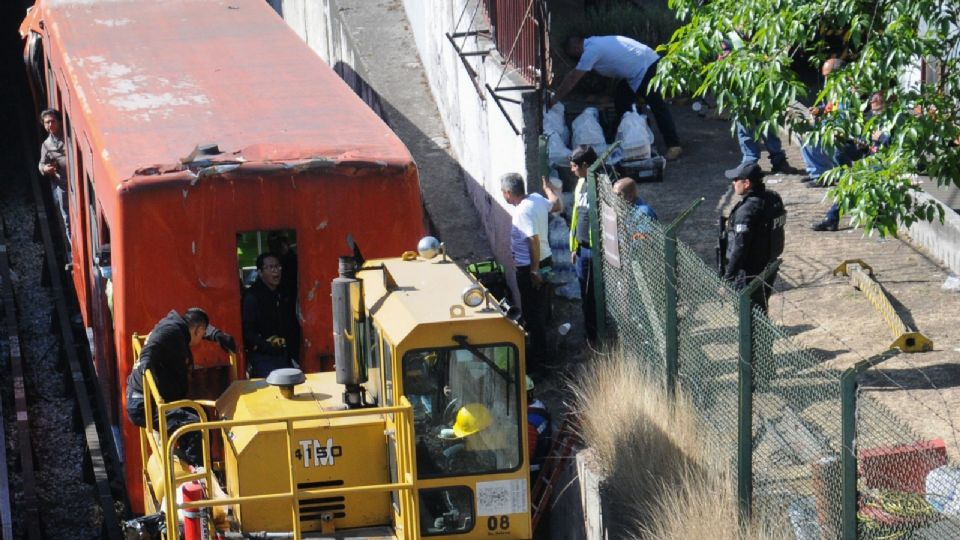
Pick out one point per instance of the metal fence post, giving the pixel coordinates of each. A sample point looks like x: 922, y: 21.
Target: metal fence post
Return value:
x: 596, y: 242
x: 671, y: 331
x: 848, y: 441
x: 745, y: 392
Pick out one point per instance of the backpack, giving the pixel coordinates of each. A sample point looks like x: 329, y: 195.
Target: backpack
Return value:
x: 775, y: 218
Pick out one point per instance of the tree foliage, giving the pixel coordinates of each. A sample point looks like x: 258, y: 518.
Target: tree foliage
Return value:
x: 886, y: 43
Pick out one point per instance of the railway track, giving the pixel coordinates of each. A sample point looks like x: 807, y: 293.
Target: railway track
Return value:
x: 59, y: 474
x: 30, y: 513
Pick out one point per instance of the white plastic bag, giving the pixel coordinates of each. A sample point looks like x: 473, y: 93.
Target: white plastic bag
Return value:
x: 587, y: 130
x: 634, y: 135
x: 557, y: 151
x: 555, y: 122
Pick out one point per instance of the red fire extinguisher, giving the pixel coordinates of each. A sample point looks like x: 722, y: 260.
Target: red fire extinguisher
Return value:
x: 192, y: 528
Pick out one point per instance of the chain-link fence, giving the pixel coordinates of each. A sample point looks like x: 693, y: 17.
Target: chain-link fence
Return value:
x: 784, y: 433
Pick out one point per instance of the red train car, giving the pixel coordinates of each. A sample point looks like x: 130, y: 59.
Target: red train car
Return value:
x: 194, y: 129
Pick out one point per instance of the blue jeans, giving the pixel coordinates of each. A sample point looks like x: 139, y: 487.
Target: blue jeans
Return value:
x: 819, y: 160
x: 816, y: 160
x: 751, y: 150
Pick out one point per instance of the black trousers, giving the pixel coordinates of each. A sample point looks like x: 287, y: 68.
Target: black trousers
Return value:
x: 625, y: 97
x: 190, y: 446
x: 535, y: 307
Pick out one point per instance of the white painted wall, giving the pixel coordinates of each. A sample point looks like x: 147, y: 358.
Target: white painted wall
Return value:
x: 479, y: 134
x: 324, y: 32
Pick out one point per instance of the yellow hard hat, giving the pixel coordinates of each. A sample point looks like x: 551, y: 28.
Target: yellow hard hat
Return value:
x: 471, y: 418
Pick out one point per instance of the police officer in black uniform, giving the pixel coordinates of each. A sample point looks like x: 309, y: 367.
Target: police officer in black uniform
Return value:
x: 168, y: 357
x: 754, y: 232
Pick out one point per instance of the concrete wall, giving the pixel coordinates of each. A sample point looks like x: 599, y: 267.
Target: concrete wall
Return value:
x: 942, y: 240
x: 318, y: 23
x: 483, y: 140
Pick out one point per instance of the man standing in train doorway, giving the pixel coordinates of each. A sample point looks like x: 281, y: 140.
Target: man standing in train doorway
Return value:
x: 271, y: 332
x: 53, y: 164
x: 168, y: 356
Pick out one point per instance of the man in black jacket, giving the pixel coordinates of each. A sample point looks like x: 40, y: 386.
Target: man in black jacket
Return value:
x: 754, y: 231
x: 168, y: 356
x: 271, y: 333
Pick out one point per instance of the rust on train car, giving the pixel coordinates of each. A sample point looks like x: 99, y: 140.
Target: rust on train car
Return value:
x: 186, y: 123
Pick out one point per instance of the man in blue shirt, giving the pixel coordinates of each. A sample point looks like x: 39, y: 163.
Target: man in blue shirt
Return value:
x: 620, y: 57
x: 627, y: 189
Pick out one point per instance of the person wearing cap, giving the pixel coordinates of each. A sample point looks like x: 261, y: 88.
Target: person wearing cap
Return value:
x: 754, y: 231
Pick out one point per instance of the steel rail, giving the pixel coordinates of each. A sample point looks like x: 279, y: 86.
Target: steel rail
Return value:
x: 85, y: 398
x: 31, y: 503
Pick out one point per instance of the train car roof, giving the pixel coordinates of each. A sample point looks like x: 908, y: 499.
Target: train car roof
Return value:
x: 155, y: 79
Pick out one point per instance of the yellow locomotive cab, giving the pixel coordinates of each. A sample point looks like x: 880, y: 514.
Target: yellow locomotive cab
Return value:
x: 420, y: 432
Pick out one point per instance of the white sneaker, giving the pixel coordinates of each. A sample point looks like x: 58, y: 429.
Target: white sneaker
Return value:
x: 674, y: 152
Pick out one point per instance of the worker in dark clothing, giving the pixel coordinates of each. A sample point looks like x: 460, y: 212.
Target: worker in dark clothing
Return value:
x: 280, y: 246
x: 168, y: 357
x: 539, y: 431
x: 271, y: 333
x: 754, y: 232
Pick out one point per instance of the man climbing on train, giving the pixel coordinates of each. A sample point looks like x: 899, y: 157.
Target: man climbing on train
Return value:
x: 168, y: 356
x: 271, y: 332
x: 53, y: 164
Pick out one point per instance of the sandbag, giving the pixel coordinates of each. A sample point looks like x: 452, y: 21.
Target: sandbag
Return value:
x: 587, y: 130
x: 557, y: 152
x: 555, y: 122
x: 635, y: 135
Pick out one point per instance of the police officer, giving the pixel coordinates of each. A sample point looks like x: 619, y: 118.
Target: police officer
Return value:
x: 754, y: 232
x: 168, y: 357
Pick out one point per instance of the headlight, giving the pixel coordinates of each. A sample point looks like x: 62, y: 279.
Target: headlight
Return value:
x: 473, y: 295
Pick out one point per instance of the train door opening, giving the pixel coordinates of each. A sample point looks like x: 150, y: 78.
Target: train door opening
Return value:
x: 270, y: 307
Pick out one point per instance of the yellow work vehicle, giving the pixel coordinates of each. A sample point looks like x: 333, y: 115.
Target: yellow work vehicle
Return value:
x: 420, y: 432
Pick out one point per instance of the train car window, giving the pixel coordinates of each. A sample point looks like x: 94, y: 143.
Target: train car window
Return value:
x: 36, y: 66
x: 466, y: 409
x: 69, y: 143
x: 92, y: 222
x: 52, y: 84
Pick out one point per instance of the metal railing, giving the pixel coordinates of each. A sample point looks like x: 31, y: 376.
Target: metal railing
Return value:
x: 518, y: 31
x: 162, y: 444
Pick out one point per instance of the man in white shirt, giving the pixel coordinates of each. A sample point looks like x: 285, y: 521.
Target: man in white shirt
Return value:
x: 620, y: 57
x: 530, y: 247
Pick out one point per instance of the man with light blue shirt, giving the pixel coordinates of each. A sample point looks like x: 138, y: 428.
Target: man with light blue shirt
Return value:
x: 530, y: 247
x: 620, y: 57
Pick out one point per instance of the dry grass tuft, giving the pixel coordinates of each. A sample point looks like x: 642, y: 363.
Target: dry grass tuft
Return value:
x: 662, y: 480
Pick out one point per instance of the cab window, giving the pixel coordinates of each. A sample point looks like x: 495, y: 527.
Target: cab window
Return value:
x: 466, y: 409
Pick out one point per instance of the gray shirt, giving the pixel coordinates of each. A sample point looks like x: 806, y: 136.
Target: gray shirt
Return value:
x: 51, y: 151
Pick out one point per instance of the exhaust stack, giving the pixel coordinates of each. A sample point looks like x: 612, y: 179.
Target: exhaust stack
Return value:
x: 348, y: 332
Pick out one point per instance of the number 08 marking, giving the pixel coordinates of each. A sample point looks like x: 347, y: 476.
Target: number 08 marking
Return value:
x: 494, y: 523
